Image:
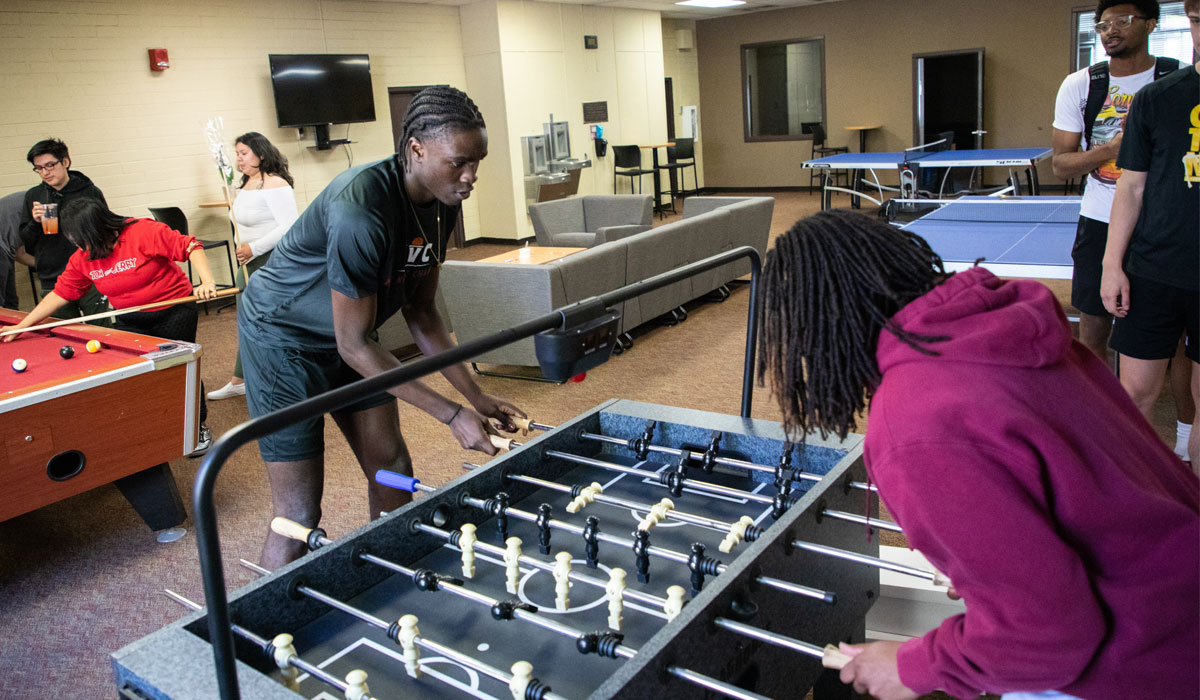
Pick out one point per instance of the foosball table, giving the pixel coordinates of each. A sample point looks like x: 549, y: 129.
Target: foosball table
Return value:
x: 635, y: 551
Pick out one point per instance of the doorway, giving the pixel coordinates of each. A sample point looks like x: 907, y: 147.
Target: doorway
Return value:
x: 948, y: 96
x: 398, y: 101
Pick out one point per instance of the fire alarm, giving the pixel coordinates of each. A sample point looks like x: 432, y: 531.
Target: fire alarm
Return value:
x: 158, y: 59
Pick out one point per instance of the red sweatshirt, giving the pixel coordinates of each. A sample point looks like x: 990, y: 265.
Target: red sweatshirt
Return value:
x: 140, y: 269
x: 1018, y: 466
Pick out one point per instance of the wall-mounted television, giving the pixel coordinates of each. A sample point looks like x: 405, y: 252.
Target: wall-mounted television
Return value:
x: 317, y: 89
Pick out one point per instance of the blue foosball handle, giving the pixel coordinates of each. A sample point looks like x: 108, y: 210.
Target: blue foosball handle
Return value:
x: 397, y: 480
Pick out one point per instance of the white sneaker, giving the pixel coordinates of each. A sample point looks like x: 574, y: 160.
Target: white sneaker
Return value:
x: 203, y: 442
x: 228, y: 391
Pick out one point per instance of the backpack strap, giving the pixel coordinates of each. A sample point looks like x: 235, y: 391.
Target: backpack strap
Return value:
x: 1164, y: 65
x: 1097, y: 92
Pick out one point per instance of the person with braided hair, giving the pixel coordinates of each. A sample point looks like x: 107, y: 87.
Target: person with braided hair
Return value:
x: 368, y: 246
x: 1010, y: 456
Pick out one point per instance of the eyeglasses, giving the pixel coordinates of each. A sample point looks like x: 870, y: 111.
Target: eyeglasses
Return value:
x: 47, y: 167
x: 1122, y: 22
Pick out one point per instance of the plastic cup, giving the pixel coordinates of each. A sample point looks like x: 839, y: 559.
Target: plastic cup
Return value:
x: 50, y: 219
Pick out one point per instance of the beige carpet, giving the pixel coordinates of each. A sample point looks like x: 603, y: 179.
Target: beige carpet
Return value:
x: 83, y: 577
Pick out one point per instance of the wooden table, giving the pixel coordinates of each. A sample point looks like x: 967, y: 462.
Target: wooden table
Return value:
x: 213, y: 205
x: 658, y: 188
x: 862, y: 134
x: 532, y: 255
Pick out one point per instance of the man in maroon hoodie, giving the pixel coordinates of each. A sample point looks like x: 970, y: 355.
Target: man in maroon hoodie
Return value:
x: 1010, y: 456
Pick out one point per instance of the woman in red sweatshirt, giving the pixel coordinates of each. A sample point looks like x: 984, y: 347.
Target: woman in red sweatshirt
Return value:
x: 132, y: 262
x: 1010, y: 456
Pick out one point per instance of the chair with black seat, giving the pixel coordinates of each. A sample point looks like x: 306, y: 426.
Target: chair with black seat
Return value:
x: 175, y: 218
x: 680, y: 157
x: 820, y: 150
x: 627, y: 162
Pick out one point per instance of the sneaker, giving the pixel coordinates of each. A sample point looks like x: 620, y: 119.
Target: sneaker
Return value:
x: 228, y: 391
x: 203, y: 443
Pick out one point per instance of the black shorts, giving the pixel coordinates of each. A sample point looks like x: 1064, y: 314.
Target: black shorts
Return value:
x: 1158, y: 315
x: 1088, y: 254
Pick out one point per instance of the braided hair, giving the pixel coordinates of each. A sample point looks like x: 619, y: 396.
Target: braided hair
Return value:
x: 830, y: 285
x: 437, y: 108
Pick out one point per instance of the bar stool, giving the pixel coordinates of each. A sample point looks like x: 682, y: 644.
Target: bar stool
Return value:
x: 175, y: 218
x: 820, y: 150
x: 680, y: 157
x: 627, y: 162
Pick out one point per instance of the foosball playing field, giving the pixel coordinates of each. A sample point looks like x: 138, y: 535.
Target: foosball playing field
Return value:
x: 636, y: 551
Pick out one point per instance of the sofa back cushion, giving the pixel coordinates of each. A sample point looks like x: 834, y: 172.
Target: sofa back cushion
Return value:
x: 557, y: 216
x: 485, y: 298
x: 615, y: 210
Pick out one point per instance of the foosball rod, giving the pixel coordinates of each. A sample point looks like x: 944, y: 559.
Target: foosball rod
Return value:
x: 404, y: 482
x: 269, y: 648
x: 316, y: 536
x: 492, y: 549
x: 937, y: 578
x: 526, y: 424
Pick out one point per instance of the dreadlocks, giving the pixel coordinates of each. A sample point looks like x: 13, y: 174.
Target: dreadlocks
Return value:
x: 830, y: 285
x: 436, y: 108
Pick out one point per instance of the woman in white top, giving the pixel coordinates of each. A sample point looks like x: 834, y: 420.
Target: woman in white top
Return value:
x: 264, y: 210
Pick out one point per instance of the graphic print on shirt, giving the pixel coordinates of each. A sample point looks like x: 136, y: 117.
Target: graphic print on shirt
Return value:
x: 420, y: 252
x: 119, y: 266
x: 1191, y: 159
x: 1109, y: 122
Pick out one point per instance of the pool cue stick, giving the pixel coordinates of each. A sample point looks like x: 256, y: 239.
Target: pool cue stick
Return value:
x: 119, y: 312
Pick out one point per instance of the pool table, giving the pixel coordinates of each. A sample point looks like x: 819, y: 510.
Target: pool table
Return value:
x: 115, y: 416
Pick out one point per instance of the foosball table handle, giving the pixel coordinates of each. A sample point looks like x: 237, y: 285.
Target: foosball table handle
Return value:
x: 290, y: 529
x: 834, y: 658
x: 396, y: 480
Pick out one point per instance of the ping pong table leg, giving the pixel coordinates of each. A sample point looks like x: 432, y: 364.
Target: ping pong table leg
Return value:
x: 1032, y: 174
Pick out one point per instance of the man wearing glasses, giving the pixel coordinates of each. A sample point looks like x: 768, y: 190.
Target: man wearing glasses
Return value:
x: 50, y: 251
x: 1089, y: 117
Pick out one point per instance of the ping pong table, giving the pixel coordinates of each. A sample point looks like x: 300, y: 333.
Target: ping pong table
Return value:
x: 1010, y: 158
x: 1029, y: 237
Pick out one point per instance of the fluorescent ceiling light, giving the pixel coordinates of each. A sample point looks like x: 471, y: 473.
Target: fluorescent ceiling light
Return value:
x: 712, y: 3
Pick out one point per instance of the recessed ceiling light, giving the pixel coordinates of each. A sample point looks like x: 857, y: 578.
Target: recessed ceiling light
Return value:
x: 712, y: 3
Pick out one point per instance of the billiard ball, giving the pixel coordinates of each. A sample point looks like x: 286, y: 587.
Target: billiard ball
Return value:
x: 19, y: 365
x: 67, y: 352
x: 93, y: 346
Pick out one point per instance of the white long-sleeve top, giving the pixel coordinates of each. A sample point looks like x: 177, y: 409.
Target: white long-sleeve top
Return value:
x: 263, y: 216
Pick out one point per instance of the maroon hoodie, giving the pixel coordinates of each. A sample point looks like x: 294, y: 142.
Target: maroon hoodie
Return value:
x: 1018, y: 466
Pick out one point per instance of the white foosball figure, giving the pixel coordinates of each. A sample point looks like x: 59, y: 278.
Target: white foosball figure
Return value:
x: 467, y: 544
x: 356, y: 685
x: 522, y: 675
x: 658, y: 512
x: 512, y: 560
x: 407, y: 638
x: 586, y: 496
x: 562, y: 579
x: 737, y: 532
x: 284, y: 651
x: 674, y: 604
x: 616, y: 597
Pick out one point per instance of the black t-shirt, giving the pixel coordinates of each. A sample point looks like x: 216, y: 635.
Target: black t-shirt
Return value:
x: 361, y: 236
x: 1162, y: 139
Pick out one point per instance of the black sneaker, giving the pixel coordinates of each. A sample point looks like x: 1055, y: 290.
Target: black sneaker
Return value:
x: 203, y: 443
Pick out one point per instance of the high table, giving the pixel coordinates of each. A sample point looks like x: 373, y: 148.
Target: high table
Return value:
x: 117, y: 415
x: 657, y: 187
x: 862, y: 134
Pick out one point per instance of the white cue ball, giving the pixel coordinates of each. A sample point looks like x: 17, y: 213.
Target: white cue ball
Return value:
x: 19, y: 365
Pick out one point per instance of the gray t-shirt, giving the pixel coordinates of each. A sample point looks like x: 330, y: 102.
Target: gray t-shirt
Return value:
x: 361, y: 236
x: 10, y: 224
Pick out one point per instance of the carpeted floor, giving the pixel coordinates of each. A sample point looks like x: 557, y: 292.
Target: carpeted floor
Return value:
x: 83, y: 577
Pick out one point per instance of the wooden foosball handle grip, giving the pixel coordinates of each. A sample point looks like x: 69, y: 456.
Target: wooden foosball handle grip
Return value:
x: 500, y: 442
x: 290, y: 529
x: 834, y: 658
x: 521, y: 423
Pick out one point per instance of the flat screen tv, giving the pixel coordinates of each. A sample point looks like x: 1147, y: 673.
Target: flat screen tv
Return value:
x: 313, y: 89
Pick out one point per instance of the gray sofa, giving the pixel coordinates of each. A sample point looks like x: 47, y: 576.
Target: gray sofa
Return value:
x: 484, y: 298
x: 584, y: 222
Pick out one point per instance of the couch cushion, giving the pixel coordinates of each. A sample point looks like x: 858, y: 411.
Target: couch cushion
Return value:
x: 615, y: 210
x: 558, y: 216
x: 573, y: 240
x: 485, y: 298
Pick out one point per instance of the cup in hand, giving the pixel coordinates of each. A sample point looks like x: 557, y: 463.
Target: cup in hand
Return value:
x: 50, y: 218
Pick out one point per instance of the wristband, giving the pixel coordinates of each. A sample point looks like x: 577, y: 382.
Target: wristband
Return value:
x: 456, y: 412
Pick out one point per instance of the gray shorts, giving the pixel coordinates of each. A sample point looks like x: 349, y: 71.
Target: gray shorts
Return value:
x: 279, y: 377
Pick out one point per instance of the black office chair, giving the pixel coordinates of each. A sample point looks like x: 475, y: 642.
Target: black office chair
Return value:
x: 680, y: 157
x: 820, y: 150
x: 627, y: 162
x: 175, y: 218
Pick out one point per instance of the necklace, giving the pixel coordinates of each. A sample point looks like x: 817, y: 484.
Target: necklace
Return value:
x: 436, y: 242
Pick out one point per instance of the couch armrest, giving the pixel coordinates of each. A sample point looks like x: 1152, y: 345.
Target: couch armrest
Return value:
x: 613, y: 233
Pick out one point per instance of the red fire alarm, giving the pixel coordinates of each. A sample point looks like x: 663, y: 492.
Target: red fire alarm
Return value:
x: 158, y: 59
